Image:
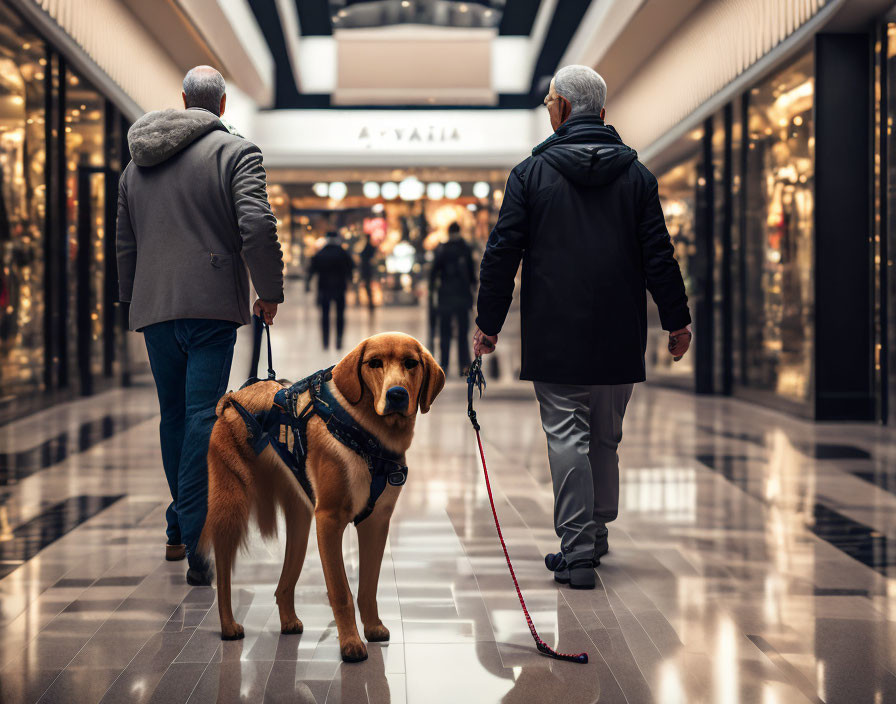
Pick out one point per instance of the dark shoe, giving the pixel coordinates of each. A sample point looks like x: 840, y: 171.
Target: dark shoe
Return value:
x: 175, y: 553
x: 554, y: 561
x: 199, y: 577
x: 581, y: 575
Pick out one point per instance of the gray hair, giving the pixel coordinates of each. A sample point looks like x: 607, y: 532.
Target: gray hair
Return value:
x: 583, y: 87
x: 204, y: 88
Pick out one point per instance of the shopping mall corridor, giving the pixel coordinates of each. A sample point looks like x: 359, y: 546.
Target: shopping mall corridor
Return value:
x: 750, y: 561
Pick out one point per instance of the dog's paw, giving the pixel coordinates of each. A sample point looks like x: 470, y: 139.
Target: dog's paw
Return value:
x: 376, y: 634
x: 233, y: 632
x: 353, y: 650
x: 291, y: 627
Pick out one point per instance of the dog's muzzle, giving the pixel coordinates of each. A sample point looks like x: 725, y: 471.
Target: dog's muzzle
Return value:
x: 397, y: 399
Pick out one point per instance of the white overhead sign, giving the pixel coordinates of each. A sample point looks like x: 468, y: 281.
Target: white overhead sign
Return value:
x: 302, y: 138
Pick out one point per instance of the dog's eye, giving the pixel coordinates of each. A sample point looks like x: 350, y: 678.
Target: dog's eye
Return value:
x: 410, y: 363
x: 375, y: 364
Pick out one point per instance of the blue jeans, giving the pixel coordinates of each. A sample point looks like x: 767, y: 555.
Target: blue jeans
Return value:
x: 190, y: 362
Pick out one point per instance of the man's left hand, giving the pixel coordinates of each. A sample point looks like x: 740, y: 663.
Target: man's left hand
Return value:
x: 483, y: 344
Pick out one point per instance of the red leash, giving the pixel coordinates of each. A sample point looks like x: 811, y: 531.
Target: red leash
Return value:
x: 476, y: 378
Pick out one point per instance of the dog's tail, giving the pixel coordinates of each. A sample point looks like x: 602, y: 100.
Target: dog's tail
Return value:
x: 230, y: 485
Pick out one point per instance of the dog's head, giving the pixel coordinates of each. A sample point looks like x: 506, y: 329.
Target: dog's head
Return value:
x: 394, y: 371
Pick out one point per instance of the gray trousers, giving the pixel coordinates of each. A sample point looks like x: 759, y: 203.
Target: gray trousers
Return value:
x: 583, y: 425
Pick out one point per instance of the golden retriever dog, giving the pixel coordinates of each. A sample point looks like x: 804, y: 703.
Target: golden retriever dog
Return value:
x: 381, y: 383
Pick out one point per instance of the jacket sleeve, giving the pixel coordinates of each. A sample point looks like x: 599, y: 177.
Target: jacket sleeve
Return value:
x: 660, y: 267
x: 506, y: 243
x: 258, y: 226
x: 125, y: 245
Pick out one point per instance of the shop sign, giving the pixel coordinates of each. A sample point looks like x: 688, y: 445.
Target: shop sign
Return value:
x: 430, y: 134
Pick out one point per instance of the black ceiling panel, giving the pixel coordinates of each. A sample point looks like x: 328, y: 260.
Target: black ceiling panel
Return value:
x: 268, y: 18
x: 314, y: 18
x: 519, y: 16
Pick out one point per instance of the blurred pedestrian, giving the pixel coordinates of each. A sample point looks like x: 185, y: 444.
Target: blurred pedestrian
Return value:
x: 584, y: 216
x: 192, y: 208
x: 333, y: 267
x: 368, y: 254
x: 453, y: 279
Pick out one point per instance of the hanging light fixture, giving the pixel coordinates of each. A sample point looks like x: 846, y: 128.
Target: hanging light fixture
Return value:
x: 452, y: 190
x: 320, y: 189
x: 371, y: 189
x: 481, y: 189
x: 435, y: 191
x: 389, y: 190
x: 411, y: 188
x: 338, y: 190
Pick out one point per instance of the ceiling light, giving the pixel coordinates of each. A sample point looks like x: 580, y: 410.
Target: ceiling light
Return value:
x: 481, y: 189
x: 338, y: 190
x: 320, y: 190
x: 371, y: 189
x: 343, y: 13
x: 452, y: 190
x: 435, y: 191
x: 405, y: 3
x: 389, y: 190
x: 378, y: 207
x: 471, y: 207
x: 462, y: 8
x: 411, y: 188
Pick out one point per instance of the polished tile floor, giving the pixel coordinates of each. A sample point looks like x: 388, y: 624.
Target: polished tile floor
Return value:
x: 752, y: 561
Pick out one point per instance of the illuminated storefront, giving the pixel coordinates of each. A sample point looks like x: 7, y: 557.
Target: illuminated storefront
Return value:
x: 404, y: 214
x: 60, y: 158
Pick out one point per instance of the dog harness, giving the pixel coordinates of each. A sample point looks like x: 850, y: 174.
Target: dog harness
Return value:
x: 265, y: 428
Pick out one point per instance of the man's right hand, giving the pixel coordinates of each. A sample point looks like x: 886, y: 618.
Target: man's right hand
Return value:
x: 483, y: 344
x: 265, y: 310
x: 679, y: 342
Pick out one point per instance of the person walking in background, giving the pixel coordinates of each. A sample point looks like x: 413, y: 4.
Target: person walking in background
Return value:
x: 453, y: 279
x: 193, y: 212
x: 584, y: 216
x: 333, y: 266
x: 368, y: 254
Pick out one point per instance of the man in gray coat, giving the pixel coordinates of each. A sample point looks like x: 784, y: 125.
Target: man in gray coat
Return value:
x: 193, y: 213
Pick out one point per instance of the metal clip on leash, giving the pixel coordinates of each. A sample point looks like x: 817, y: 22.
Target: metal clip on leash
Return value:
x: 476, y: 379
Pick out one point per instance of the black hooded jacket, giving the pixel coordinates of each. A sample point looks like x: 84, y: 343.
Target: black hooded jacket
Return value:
x: 584, y: 216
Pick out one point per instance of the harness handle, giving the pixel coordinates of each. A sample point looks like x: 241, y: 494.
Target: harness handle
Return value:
x: 259, y: 327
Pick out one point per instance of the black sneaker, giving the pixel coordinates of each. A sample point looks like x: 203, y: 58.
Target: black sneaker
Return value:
x: 554, y: 560
x: 581, y: 575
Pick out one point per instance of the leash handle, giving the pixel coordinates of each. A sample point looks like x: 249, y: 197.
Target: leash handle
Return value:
x: 259, y: 328
x: 476, y: 379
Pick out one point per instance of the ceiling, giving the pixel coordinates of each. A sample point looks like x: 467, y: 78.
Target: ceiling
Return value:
x: 415, y: 53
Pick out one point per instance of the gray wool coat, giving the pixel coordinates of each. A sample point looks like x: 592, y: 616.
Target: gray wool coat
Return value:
x: 193, y: 214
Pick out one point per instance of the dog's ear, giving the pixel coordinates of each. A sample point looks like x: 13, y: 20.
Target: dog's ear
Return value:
x: 433, y: 380
x: 347, y: 375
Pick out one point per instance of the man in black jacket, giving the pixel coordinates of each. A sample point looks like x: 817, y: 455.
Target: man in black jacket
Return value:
x: 583, y: 215
x: 452, y: 278
x: 333, y: 267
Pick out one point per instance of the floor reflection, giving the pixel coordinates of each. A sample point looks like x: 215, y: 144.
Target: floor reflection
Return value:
x: 750, y: 561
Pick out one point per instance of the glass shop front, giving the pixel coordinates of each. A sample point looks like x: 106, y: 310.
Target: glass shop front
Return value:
x: 61, y: 147
x: 739, y: 208
x: 392, y: 218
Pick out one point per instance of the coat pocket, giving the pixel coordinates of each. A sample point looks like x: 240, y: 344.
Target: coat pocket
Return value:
x: 220, y: 261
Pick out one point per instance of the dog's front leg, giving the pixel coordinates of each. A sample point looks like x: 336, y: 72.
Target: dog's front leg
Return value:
x: 330, y: 527
x: 372, y: 534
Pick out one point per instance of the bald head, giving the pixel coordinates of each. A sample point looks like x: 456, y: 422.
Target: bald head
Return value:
x: 204, y: 88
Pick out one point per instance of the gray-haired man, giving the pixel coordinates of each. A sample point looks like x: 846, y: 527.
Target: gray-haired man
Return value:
x: 584, y: 216
x: 192, y: 213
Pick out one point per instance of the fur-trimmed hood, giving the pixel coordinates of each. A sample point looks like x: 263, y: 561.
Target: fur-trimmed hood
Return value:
x: 159, y: 135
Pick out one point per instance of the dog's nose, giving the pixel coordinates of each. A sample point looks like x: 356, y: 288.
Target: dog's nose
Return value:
x: 397, y: 399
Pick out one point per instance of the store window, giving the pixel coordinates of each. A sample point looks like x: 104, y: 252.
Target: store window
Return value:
x: 777, y: 238
x: 86, y: 193
x: 22, y: 206
x: 678, y: 197
x: 886, y: 274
